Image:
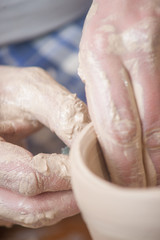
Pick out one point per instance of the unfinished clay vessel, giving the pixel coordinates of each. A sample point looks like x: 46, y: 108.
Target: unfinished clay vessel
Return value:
x: 111, y: 212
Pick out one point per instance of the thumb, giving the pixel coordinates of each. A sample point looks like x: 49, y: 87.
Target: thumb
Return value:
x: 35, y: 92
x: 28, y: 175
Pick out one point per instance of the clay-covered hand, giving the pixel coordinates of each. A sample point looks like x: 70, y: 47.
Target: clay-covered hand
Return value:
x: 119, y: 63
x: 35, y: 190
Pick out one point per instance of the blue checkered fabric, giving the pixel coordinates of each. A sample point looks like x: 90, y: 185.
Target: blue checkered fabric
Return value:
x: 56, y: 52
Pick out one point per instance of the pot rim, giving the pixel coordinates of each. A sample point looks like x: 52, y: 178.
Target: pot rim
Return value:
x: 79, y: 165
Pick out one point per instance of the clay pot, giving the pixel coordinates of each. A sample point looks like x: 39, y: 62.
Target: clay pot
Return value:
x: 111, y: 212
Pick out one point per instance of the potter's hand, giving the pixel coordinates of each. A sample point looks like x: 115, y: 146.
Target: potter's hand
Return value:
x: 35, y: 190
x: 119, y: 63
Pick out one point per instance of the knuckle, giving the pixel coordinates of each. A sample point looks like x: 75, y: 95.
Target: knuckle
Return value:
x: 125, y: 132
x: 142, y: 37
x: 29, y: 185
x: 152, y: 139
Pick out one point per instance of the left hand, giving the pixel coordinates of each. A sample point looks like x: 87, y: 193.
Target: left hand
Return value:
x: 35, y: 190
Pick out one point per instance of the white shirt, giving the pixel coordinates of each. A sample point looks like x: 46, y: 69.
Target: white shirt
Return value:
x: 25, y: 19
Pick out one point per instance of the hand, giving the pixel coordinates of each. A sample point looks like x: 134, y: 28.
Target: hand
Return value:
x: 35, y: 190
x: 119, y: 63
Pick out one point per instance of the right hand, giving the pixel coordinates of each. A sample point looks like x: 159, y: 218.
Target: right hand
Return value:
x: 120, y: 65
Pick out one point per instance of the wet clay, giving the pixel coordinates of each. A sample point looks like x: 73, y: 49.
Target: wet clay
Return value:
x: 36, y: 190
x: 40, y: 98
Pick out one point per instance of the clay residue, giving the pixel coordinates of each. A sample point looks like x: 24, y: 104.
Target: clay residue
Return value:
x: 28, y: 184
x: 92, y: 11
x: 73, y: 116
x: 29, y: 219
x: 107, y: 28
x: 52, y: 164
x: 137, y: 38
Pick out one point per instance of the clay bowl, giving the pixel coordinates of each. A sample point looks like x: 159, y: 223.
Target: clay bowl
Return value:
x: 111, y: 212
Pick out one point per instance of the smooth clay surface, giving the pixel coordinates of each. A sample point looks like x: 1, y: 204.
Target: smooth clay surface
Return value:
x: 111, y: 212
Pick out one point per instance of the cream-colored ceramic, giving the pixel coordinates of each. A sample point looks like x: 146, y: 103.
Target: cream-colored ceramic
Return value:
x: 111, y: 212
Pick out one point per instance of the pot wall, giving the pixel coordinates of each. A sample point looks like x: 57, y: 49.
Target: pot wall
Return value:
x: 111, y: 212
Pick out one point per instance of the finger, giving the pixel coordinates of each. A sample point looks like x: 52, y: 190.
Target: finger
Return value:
x: 142, y: 61
x: 15, y: 124
x: 41, y: 210
x: 42, y: 98
x: 31, y: 175
x: 112, y: 108
x: 147, y: 88
x: 118, y: 129
x: 17, y: 129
